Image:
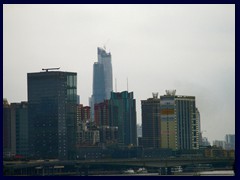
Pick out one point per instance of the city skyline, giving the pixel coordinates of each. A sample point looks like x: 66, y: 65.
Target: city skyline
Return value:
x: 189, y: 48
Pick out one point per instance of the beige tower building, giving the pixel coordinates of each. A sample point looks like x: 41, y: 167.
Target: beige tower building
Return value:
x: 179, y: 126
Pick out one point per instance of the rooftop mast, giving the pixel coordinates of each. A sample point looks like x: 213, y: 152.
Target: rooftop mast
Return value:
x: 47, y: 69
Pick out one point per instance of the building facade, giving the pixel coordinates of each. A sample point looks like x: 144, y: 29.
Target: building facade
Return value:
x: 19, y: 115
x: 105, y: 59
x: 179, y: 125
x: 52, y: 98
x: 198, y: 119
x: 102, y: 78
x: 230, y: 141
x: 15, y: 129
x: 123, y: 115
x: 87, y: 134
x: 7, y: 148
x: 168, y: 122
x: 102, y: 118
x: 151, y: 134
x: 98, y: 83
x: 101, y: 114
x: 83, y: 113
x: 219, y: 143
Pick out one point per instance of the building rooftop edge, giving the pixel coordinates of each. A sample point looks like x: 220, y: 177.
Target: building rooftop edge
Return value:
x: 51, y: 72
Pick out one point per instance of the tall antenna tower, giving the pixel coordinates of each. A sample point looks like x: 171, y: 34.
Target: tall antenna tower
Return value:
x: 127, y: 83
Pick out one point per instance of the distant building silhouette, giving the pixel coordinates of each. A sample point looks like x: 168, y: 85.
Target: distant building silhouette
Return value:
x: 219, y: 143
x: 139, y: 130
x: 205, y: 142
x: 230, y: 141
x: 52, y: 98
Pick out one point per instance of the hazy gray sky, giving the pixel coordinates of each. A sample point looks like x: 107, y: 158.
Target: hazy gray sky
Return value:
x: 190, y: 48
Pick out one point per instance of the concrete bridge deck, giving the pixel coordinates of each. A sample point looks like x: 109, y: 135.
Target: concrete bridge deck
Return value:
x: 151, y: 162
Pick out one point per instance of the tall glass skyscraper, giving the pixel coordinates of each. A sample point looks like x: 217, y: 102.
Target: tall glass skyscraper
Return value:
x: 123, y: 115
x: 102, y: 78
x: 98, y: 83
x: 52, y: 98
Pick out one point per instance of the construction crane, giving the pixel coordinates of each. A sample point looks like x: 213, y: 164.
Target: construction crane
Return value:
x: 47, y: 69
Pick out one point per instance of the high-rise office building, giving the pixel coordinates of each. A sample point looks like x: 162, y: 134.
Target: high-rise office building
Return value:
x: 15, y: 129
x: 7, y: 151
x: 179, y: 127
x: 52, y: 98
x: 123, y: 114
x: 102, y: 79
x: 98, y: 83
x: 105, y: 59
x: 19, y: 116
x: 168, y: 122
x: 151, y: 136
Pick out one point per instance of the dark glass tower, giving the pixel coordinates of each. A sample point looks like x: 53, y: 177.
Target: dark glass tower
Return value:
x: 151, y: 136
x: 52, y: 98
x: 19, y: 115
x: 15, y: 129
x: 123, y: 115
x: 6, y: 129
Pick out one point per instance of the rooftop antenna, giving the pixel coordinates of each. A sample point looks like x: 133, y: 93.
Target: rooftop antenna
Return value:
x: 171, y: 92
x: 47, y: 69
x: 155, y: 95
x: 127, y: 83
